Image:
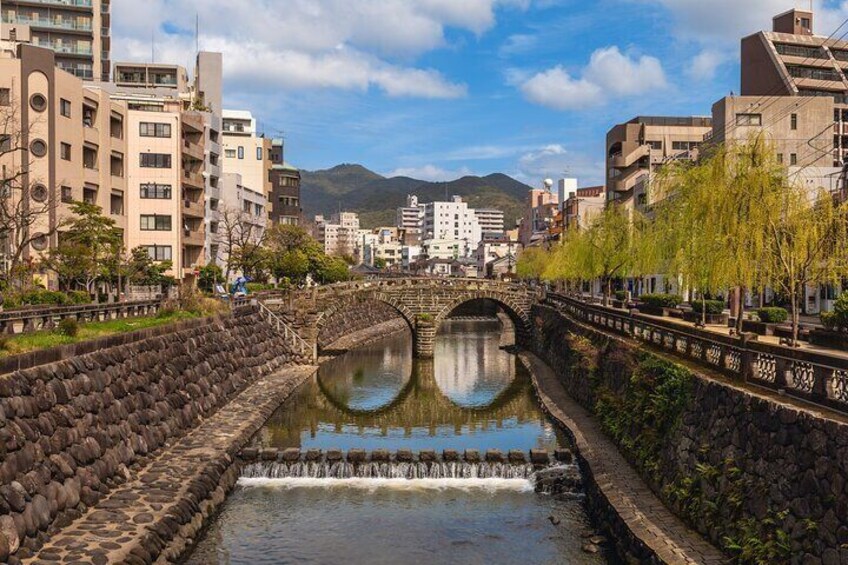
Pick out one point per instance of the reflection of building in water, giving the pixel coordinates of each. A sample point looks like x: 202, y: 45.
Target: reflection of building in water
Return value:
x: 470, y: 368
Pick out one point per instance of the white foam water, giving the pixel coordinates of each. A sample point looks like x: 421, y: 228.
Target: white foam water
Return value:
x: 400, y: 484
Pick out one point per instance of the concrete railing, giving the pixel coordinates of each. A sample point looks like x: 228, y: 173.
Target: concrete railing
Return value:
x: 45, y: 318
x: 812, y: 375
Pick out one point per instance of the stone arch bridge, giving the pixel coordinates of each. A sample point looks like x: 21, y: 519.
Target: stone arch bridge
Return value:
x: 335, y: 310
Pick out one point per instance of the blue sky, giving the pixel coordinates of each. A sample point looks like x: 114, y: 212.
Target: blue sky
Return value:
x: 440, y: 88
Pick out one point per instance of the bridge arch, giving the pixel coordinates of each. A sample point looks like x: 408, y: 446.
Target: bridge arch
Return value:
x: 352, y: 302
x: 519, y: 315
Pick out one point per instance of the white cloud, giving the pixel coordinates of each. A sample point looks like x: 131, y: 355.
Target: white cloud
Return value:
x: 308, y: 43
x: 555, y: 161
x: 430, y: 173
x: 609, y: 74
x: 705, y: 64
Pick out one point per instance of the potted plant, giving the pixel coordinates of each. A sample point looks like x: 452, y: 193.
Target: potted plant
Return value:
x: 835, y: 332
x: 620, y: 300
x: 714, y: 312
x: 766, y: 320
x: 659, y: 304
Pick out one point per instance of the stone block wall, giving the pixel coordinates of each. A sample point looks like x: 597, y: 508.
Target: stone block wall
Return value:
x: 71, y: 430
x: 355, y: 318
x: 765, y: 480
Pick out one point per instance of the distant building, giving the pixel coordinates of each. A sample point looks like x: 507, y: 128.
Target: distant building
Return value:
x: 410, y: 218
x: 582, y: 205
x: 339, y: 234
x: 490, y: 251
x: 542, y: 208
x: 491, y: 222
x: 285, y: 182
x: 454, y: 221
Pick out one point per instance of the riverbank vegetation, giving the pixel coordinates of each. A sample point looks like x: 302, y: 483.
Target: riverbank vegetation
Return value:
x: 734, y: 220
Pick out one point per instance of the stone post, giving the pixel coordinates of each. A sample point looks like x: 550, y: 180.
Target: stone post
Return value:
x: 425, y: 336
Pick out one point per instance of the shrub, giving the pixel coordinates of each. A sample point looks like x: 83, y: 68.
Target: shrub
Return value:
x: 621, y: 295
x: 773, y: 315
x: 713, y: 306
x: 661, y: 300
x: 166, y: 312
x: 12, y: 301
x: 69, y: 327
x: 44, y: 297
x: 258, y: 287
x: 838, y: 319
x: 79, y: 297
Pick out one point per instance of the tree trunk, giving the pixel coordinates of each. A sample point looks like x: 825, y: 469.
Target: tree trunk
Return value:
x: 741, y: 309
x: 703, y: 309
x: 796, y: 319
x: 607, y: 291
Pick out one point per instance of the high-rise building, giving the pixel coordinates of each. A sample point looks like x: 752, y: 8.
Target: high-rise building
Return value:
x: 285, y: 180
x: 410, y: 218
x: 491, y: 222
x: 78, y: 32
x: 67, y: 139
x: 339, y: 235
x: 637, y: 149
x: 795, y: 88
x: 452, y: 221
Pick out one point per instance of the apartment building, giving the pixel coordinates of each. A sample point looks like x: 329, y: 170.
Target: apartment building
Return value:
x: 382, y: 245
x: 490, y: 251
x: 582, y: 206
x: 75, y: 140
x: 247, y: 153
x: 250, y: 204
x: 452, y: 220
x: 637, y: 149
x: 339, y: 235
x: 410, y: 218
x: 491, y: 222
x: 541, y: 211
x: 285, y: 180
x: 77, y: 31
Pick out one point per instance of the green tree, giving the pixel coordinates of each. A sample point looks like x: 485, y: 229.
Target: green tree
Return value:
x: 210, y: 275
x: 292, y: 253
x: 531, y: 263
x: 88, y: 249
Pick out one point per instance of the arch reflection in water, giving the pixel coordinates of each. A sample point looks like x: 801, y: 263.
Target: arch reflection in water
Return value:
x: 471, y: 396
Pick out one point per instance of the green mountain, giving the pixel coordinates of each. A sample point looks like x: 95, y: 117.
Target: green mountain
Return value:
x: 376, y: 198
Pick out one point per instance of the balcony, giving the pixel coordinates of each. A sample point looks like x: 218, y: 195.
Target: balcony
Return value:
x: 193, y: 150
x: 79, y: 72
x: 194, y: 208
x: 628, y: 181
x: 50, y: 23
x: 621, y: 161
x: 66, y: 49
x: 194, y: 179
x: 81, y: 4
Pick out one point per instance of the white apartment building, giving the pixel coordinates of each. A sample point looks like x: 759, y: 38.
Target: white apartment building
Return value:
x: 490, y: 251
x: 491, y: 222
x: 410, y: 218
x: 409, y: 255
x: 339, y: 235
x: 453, y: 221
x: 443, y: 248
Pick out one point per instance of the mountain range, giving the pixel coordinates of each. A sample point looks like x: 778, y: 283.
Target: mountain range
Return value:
x: 353, y: 188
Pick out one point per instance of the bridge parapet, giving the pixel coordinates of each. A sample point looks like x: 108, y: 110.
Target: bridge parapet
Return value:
x: 422, y: 303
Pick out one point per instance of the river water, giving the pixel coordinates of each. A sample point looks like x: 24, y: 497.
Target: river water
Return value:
x: 472, y: 395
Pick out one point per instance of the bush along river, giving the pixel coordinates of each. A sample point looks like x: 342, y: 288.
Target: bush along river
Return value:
x: 383, y: 458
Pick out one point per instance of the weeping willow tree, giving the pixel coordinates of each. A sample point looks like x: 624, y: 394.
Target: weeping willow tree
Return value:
x: 806, y: 244
x: 531, y: 263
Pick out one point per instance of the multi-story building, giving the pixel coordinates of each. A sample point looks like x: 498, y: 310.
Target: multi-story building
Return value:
x: 383, y: 246
x: 73, y: 141
x: 454, y: 221
x: 491, y: 222
x: 410, y: 219
x: 250, y: 205
x: 637, y: 149
x: 77, y: 31
x: 582, y: 206
x: 489, y: 251
x: 542, y: 208
x: 339, y: 235
x: 285, y: 180
x: 246, y: 152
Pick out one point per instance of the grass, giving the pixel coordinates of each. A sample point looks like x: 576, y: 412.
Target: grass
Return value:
x: 23, y: 343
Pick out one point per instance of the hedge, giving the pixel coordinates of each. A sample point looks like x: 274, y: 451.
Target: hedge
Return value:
x: 773, y: 315
x: 713, y: 306
x: 661, y: 300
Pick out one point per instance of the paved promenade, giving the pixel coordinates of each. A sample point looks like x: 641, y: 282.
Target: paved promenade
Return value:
x: 643, y: 513
x: 150, y: 518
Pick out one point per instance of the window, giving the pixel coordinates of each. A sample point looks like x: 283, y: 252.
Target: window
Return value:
x: 683, y: 145
x: 241, y: 152
x: 160, y: 252
x: 749, y: 119
x: 67, y: 194
x: 156, y: 191
x: 38, y: 102
x: 155, y: 223
x: 5, y: 97
x: 793, y: 158
x: 258, y: 153
x: 38, y: 148
x: 656, y: 145
x: 794, y: 121
x: 156, y: 160
x: 230, y: 153
x: 800, y: 51
x: 5, y: 143
x: 151, y: 129
x: 65, y: 107
x: 805, y: 23
x: 780, y: 158
x: 814, y: 73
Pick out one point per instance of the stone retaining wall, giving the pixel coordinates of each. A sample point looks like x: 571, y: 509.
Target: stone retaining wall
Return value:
x: 71, y: 430
x: 356, y: 318
x: 755, y: 475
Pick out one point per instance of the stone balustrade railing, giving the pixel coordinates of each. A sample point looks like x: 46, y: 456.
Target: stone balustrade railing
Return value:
x: 29, y: 320
x: 812, y: 375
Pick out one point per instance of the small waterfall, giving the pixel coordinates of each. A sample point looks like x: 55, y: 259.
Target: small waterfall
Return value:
x: 375, y: 470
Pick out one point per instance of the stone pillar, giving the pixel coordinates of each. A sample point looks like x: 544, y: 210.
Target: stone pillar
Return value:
x: 424, y: 336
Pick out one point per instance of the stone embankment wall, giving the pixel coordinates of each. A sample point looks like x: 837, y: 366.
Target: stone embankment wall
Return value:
x: 765, y: 480
x: 354, y: 319
x: 70, y: 431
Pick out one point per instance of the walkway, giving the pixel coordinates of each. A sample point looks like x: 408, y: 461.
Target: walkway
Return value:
x: 152, y: 515
x: 640, y: 509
